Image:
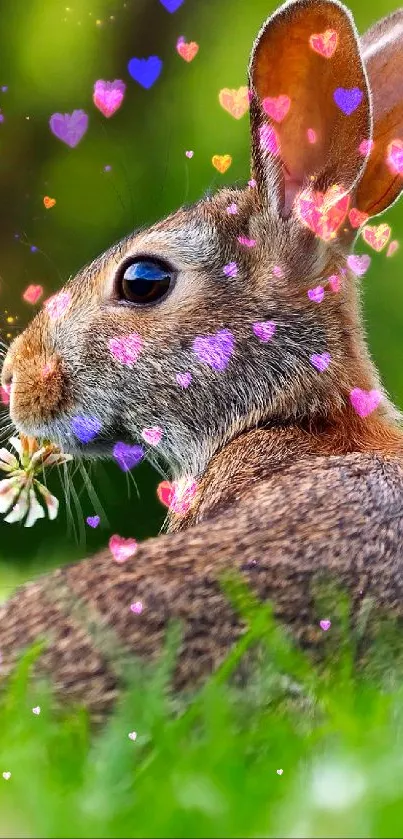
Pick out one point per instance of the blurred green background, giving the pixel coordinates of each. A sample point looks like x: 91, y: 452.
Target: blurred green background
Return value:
x: 51, y: 54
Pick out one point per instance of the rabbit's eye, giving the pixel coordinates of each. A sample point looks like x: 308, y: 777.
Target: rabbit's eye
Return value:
x: 144, y: 282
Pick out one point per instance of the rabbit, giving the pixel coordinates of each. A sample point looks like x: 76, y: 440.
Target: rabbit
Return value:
x: 259, y: 377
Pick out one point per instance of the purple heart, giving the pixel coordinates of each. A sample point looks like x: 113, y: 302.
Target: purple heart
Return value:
x: 85, y: 428
x: 264, y: 330
x: 215, y: 350
x: 127, y: 456
x: 69, y: 127
x: 93, y: 521
x: 348, y: 99
x: 320, y: 361
x: 184, y: 379
x: 171, y: 5
x: 316, y: 294
x: 145, y: 71
x: 359, y: 264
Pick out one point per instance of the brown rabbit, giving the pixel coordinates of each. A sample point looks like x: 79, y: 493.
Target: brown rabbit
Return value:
x: 275, y: 412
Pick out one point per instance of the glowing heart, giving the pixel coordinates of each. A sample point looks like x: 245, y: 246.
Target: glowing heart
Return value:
x: 221, y: 162
x: 165, y: 492
x: 359, y: 264
x: 49, y: 202
x: 171, y: 5
x: 279, y: 771
x: 178, y: 496
x: 136, y: 608
x: 121, y: 548
x: 377, y: 236
x: 392, y: 248
x: 133, y: 734
x: 276, y: 107
x: 365, y: 402
x: 70, y: 128
x: 324, y: 43
x: 264, y: 330
x: 57, y: 305
x: 6, y: 776
x: 32, y: 294
x: 127, y: 456
x: 348, y: 99
x: 189, y: 154
x: 365, y: 147
x: 184, y: 379
x: 126, y: 349
x: 93, y: 521
x: 335, y: 283
x: 108, y: 96
x: 236, y: 102
x: 232, y: 209
x: 322, y: 212
x: 394, y: 157
x: 85, y: 428
x: 36, y: 710
x: 357, y: 218
x: 316, y: 294
x: 187, y: 51
x: 268, y: 139
x: 152, y: 435
x: 325, y: 625
x: 311, y: 134
x: 248, y: 243
x: 215, y: 350
x: 145, y: 71
x: 230, y: 270
x: 320, y: 361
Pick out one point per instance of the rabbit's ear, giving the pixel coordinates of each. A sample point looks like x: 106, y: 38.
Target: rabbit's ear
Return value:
x: 310, y: 103
x: 382, y: 49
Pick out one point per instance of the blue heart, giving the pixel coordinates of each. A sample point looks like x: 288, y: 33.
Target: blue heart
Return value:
x: 348, y: 99
x: 145, y: 71
x: 171, y: 5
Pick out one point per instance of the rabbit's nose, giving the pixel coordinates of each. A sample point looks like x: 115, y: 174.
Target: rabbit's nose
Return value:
x: 7, y: 373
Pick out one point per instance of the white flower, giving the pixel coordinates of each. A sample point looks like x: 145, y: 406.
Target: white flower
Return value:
x: 18, y: 492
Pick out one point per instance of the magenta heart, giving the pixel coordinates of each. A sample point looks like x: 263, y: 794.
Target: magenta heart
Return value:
x: 126, y: 349
x: 184, y: 379
x: 325, y: 625
x: 152, y: 435
x: 215, y: 350
x: 230, y: 270
x: 321, y: 362
x: 348, y: 99
x: 365, y: 402
x: 127, y: 456
x: 359, y: 264
x: 69, y: 127
x: 121, y: 548
x: 316, y: 294
x: 93, y: 521
x: 108, y: 96
x: 264, y: 330
x: 189, y: 154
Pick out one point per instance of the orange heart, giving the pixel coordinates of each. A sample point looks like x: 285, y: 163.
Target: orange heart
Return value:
x: 49, y: 202
x: 221, y: 162
x: 322, y: 212
x: 276, y: 107
x: 324, y: 43
x: 236, y: 102
x: 357, y: 218
x: 377, y: 236
x: 187, y: 51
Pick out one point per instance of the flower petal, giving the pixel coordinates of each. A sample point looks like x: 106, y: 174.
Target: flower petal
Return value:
x: 8, y: 461
x: 35, y: 510
x: 17, y: 445
x: 10, y: 489
x: 20, y: 509
x: 51, y: 501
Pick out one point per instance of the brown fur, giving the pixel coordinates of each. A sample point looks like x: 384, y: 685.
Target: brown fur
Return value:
x: 292, y: 483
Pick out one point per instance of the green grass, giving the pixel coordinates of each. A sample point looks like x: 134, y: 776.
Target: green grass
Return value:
x: 208, y: 766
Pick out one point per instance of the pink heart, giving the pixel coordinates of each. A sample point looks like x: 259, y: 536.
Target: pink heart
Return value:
x: 252, y: 183
x: 249, y: 243
x: 121, y: 548
x: 365, y: 402
x: 268, y: 139
x: 264, y: 330
x: 316, y: 294
x: 184, y: 379
x: 320, y: 361
x: 365, y: 147
x: 32, y: 294
x: 311, y: 134
x: 276, y: 107
x: 108, y: 96
x: 359, y: 264
x: 232, y: 209
x: 325, y: 625
x: 57, y: 305
x: 189, y: 154
x: 136, y: 607
x: 394, y: 157
x: 126, y: 349
x: 335, y: 283
x: 322, y: 212
x: 392, y: 248
x: 152, y: 435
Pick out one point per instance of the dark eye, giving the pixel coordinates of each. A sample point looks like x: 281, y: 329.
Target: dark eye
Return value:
x: 144, y: 282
